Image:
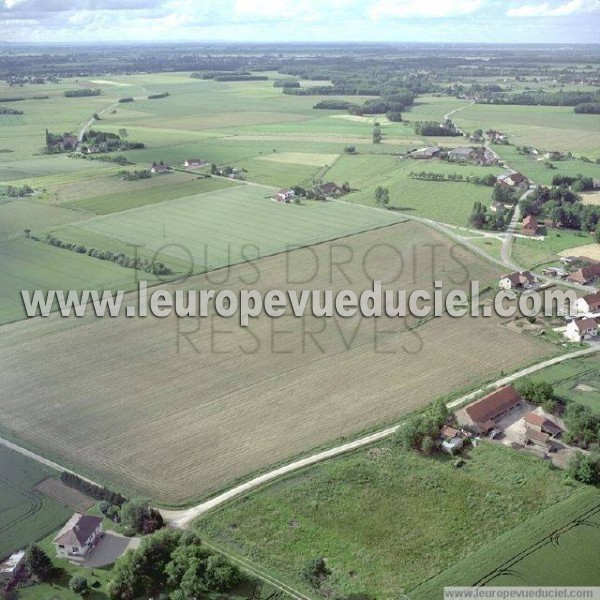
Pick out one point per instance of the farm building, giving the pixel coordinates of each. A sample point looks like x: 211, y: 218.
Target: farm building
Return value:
x: 513, y: 181
x: 451, y: 439
x: 194, y: 163
x: 429, y: 152
x: 517, y: 281
x: 78, y: 537
x: 542, y: 424
x: 329, y: 189
x: 10, y: 567
x: 579, y: 329
x: 537, y: 438
x: 496, y: 137
x: 482, y: 415
x: 461, y: 154
x: 585, y: 275
x: 479, y: 155
x: 530, y: 225
x: 588, y: 303
x: 285, y: 195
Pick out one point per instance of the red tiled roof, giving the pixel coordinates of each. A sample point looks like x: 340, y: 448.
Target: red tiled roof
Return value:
x: 494, y: 404
x: 593, y: 299
x: 449, y: 432
x: 537, y: 436
x: 583, y: 324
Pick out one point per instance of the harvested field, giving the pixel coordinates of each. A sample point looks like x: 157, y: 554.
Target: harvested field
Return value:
x: 55, y: 488
x: 200, y: 403
x: 590, y: 250
x: 590, y: 198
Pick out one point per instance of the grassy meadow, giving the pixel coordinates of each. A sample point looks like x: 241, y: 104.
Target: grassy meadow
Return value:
x: 386, y: 520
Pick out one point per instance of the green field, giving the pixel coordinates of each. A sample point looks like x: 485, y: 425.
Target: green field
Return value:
x: 558, y: 547
x: 385, y: 519
x: 26, y: 515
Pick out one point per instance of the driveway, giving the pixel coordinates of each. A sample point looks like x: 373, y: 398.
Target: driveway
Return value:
x: 109, y: 548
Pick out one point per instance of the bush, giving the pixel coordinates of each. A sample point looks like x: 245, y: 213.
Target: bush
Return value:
x: 79, y: 585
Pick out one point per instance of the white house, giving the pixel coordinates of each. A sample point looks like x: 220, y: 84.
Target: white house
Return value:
x: 517, y: 281
x: 284, y: 195
x: 194, y: 163
x: 78, y: 537
x: 579, y: 329
x: 589, y: 303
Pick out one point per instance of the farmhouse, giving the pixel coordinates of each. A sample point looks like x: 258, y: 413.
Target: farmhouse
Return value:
x: 542, y: 424
x: 513, y: 181
x: 585, y: 275
x: 480, y: 155
x: 285, y: 195
x: 579, y: 329
x: 194, y: 163
x: 329, y: 189
x: 78, y: 537
x: 496, y: 137
x: 429, y: 152
x: 517, y: 281
x: 530, y: 225
x: 588, y: 303
x: 482, y: 415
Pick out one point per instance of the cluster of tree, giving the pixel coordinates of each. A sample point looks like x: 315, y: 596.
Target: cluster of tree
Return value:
x: 139, y: 517
x: 503, y: 194
x: 588, y: 108
x: 213, y: 74
x: 488, y: 180
x: 429, y: 128
x: 332, y: 90
x: 134, y: 175
x: 481, y: 218
x: 286, y: 83
x: 349, y: 149
x: 118, y: 160
x: 125, y: 100
x: 37, y: 563
x: 232, y: 77
x: 333, y: 105
x: 19, y: 192
x: 228, y: 171
x: 577, y: 183
x: 92, y: 490
x: 158, y: 96
x: 540, y: 97
x: 10, y: 111
x: 584, y: 467
x: 420, y: 431
x: 378, y: 107
x: 128, y: 262
x: 316, y: 572
x: 21, y: 98
x: 82, y: 92
x: 106, y: 141
x: 537, y: 392
x: 56, y: 142
x: 172, y: 564
x: 583, y: 427
x: 315, y: 193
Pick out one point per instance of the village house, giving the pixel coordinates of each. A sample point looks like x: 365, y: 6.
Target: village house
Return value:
x: 530, y: 225
x: 579, y: 329
x: 517, y: 281
x: 585, y: 275
x: 329, y: 189
x: 513, y: 181
x: 285, y: 195
x: 588, y: 303
x: 496, y: 137
x: 429, y: 152
x: 482, y: 415
x: 78, y: 537
x: 542, y: 424
x: 159, y: 168
x: 479, y: 155
x: 194, y: 163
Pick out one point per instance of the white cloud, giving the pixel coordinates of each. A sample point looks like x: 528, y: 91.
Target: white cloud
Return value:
x: 398, y: 9
x: 259, y: 9
x: 546, y: 10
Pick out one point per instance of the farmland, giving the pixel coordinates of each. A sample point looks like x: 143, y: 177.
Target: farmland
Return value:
x: 554, y: 547
x: 386, y: 519
x: 26, y: 514
x: 233, y: 392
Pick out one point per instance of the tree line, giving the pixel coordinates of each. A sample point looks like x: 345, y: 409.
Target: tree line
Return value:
x: 82, y: 92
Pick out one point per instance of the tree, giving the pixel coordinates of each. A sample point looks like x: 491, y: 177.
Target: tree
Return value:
x: 27, y: 232
x: 37, y: 563
x: 584, y: 468
x: 315, y: 572
x: 220, y: 574
x: 96, y: 117
x: 394, y: 116
x: 377, y: 135
x: 537, y: 392
x: 213, y: 169
x: 382, y: 196
x: 79, y: 585
x: 427, y: 445
x: 478, y: 217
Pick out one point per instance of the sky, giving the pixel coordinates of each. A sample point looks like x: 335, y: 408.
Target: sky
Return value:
x: 556, y: 21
